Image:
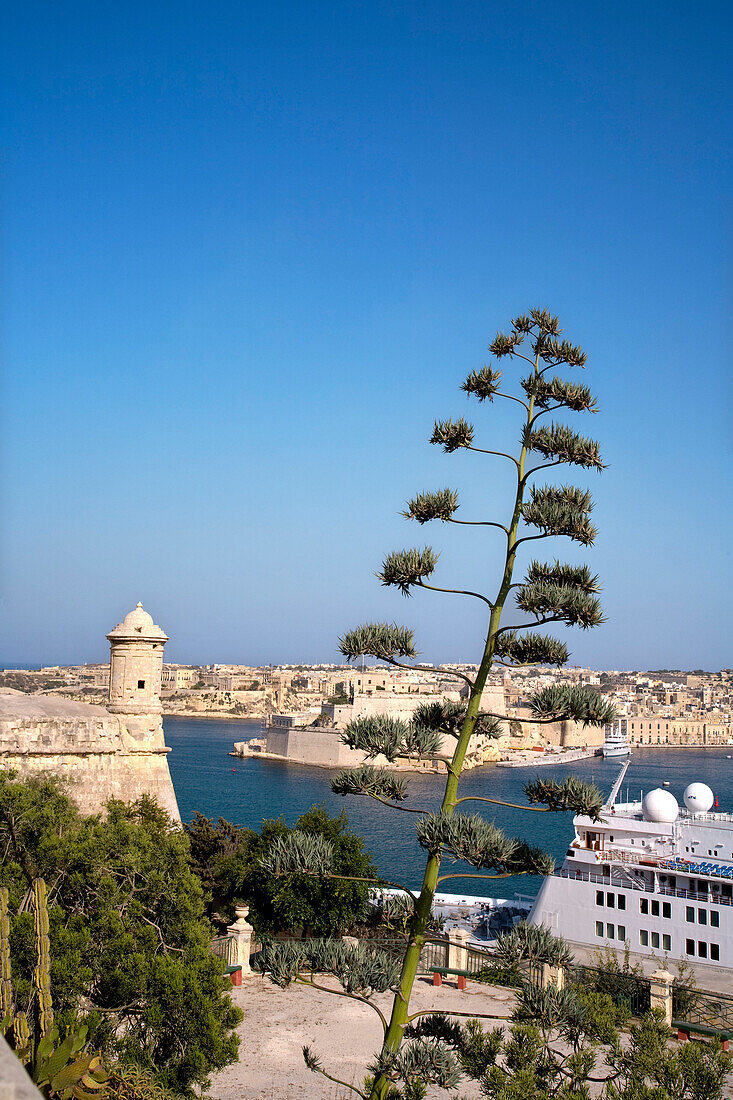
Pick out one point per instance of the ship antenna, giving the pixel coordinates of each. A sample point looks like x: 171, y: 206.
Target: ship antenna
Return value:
x: 617, y: 786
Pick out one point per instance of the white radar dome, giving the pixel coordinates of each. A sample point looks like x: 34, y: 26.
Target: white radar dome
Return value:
x: 660, y: 805
x: 698, y: 798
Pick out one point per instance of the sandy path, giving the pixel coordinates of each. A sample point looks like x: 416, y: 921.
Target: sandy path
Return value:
x: 345, y: 1034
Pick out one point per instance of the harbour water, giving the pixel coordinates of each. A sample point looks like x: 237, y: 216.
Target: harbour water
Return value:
x: 246, y: 791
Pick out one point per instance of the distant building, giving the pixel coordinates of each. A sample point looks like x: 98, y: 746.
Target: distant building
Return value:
x: 178, y: 676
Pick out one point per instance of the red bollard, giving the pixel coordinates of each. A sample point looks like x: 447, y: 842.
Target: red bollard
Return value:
x: 461, y: 981
x: 437, y: 979
x: 236, y: 976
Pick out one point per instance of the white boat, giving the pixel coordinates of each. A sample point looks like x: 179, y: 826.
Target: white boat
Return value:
x: 650, y: 874
x: 617, y: 740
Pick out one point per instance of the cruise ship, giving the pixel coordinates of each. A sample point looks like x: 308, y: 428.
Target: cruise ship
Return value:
x: 651, y: 874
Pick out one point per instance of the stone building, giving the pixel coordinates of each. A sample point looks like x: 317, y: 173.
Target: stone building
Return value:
x: 117, y: 751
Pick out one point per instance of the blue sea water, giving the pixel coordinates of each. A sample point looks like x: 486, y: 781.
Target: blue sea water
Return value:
x: 246, y: 791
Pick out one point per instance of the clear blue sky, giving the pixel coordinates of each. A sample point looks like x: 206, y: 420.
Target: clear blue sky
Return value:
x: 250, y: 252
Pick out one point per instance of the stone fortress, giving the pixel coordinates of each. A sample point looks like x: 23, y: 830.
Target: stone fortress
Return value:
x: 117, y: 751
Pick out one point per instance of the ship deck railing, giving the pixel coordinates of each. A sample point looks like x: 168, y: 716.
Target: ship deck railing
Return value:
x: 709, y: 896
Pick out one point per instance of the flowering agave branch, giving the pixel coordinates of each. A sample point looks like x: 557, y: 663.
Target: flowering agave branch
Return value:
x: 549, y: 593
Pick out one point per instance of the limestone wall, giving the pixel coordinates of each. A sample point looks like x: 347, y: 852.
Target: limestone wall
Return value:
x: 98, y: 754
x: 313, y: 746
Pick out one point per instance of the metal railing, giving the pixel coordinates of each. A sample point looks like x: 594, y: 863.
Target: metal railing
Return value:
x: 225, y: 948
x: 603, y: 880
x: 622, y: 986
x: 709, y: 896
x: 702, y: 1008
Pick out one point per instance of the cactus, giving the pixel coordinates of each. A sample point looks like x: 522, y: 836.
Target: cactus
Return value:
x: 42, y: 972
x: 59, y: 1072
x: 61, y: 1068
x: 6, y: 983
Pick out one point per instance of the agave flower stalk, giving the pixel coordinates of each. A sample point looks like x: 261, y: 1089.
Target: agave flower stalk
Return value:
x: 549, y: 593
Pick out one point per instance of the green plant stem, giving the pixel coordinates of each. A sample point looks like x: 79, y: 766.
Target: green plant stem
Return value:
x: 424, y: 904
x: 499, y: 802
x: 475, y: 874
x: 446, y: 1012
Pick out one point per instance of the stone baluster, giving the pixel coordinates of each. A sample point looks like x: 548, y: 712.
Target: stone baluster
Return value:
x: 457, y: 953
x: 660, y: 988
x: 241, y: 932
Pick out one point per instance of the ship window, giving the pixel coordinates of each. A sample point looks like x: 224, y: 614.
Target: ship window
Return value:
x: 714, y: 918
x: 644, y: 906
x: 610, y: 900
x: 655, y: 939
x: 644, y: 938
x: 666, y: 909
x: 599, y: 897
x: 621, y: 902
x: 667, y: 943
x: 702, y: 949
x: 141, y: 683
x: 621, y: 932
x: 702, y: 916
x: 599, y: 928
x: 690, y: 915
x: 690, y: 947
x: 610, y: 931
x: 715, y: 952
x: 655, y: 908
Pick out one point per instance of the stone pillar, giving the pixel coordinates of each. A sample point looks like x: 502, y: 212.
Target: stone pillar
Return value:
x: 553, y: 976
x: 241, y: 932
x: 661, y: 993
x: 457, y: 953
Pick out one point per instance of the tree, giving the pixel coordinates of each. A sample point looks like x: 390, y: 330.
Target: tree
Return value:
x: 551, y: 592
x: 130, y: 946
x: 229, y: 859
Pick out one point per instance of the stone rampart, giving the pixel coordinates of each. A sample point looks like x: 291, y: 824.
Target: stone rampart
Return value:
x: 94, y: 752
x: 313, y: 746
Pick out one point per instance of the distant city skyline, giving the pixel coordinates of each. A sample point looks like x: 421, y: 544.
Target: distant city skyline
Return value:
x: 250, y: 254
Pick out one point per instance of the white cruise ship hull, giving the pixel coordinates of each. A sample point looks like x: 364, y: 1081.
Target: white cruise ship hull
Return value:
x: 648, y: 875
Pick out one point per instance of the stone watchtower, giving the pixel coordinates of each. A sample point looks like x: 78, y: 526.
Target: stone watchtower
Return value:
x: 135, y: 664
x: 135, y: 671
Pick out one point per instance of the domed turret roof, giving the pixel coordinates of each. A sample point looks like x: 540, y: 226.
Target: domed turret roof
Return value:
x: 138, y: 624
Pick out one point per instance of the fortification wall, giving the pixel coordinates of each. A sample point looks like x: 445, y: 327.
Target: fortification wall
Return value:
x: 92, y: 751
x: 313, y: 746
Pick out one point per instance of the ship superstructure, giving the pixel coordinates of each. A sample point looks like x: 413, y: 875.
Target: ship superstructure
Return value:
x: 650, y: 874
x: 617, y: 739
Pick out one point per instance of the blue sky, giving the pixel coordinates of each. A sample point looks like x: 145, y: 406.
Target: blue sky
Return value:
x: 251, y: 251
